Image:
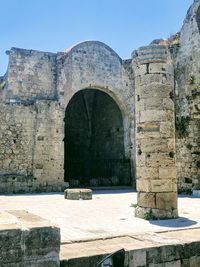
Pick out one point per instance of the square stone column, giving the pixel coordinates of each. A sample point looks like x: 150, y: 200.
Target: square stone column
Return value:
x: 155, y: 133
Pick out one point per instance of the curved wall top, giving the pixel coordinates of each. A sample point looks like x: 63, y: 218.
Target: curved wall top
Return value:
x: 93, y: 64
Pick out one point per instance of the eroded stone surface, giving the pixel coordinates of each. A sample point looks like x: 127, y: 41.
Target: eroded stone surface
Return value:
x: 76, y: 194
x: 169, y: 249
x: 28, y: 240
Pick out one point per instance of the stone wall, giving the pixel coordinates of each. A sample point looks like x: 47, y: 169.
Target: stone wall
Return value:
x: 28, y: 240
x: 34, y: 94
x: 31, y: 150
x: 179, y: 248
x: 31, y: 75
x: 187, y: 99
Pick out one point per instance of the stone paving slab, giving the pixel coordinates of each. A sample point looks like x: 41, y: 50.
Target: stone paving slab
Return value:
x: 108, y: 214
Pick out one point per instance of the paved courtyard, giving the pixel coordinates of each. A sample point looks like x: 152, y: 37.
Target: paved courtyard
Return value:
x: 109, y: 213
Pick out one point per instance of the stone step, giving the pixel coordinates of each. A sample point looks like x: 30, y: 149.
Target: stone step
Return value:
x: 169, y: 249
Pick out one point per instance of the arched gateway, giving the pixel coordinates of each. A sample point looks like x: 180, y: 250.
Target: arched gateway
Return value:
x: 94, y: 141
x: 99, y: 111
x: 88, y: 117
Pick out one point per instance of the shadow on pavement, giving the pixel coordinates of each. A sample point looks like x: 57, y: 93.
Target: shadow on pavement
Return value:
x: 174, y: 223
x: 113, y: 191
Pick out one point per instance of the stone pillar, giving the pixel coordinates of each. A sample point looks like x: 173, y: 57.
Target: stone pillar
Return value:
x: 155, y: 133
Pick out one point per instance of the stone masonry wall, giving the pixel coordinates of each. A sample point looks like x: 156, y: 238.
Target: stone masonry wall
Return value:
x: 28, y: 240
x: 34, y: 94
x: 31, y: 75
x: 187, y: 98
x: 31, y: 147
x: 93, y: 65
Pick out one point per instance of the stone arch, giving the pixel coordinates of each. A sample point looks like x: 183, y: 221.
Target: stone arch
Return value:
x: 94, y: 65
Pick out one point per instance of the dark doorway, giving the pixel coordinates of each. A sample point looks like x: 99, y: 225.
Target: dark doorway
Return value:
x: 94, y: 141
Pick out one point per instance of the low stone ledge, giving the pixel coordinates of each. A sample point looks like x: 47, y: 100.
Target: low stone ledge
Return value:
x: 174, y: 248
x: 28, y: 240
x: 76, y: 194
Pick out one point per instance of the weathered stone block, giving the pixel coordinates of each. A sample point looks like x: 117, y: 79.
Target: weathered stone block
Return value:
x: 28, y: 240
x: 156, y: 115
x: 143, y: 185
x: 146, y: 88
x: 72, y: 194
x: 164, y: 214
x: 160, y: 159
x: 159, y: 145
x: 147, y: 172
x: 86, y: 194
x: 76, y: 194
x: 167, y: 129
x: 168, y: 172
x: 173, y: 264
x: 161, y: 68
x: 137, y: 258
x: 158, y: 185
x: 148, y: 129
x: 166, y: 201
x: 147, y: 200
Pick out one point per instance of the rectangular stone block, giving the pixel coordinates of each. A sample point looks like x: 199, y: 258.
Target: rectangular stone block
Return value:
x: 147, y: 200
x: 143, y: 185
x: 147, y: 172
x: 137, y: 258
x: 158, y: 185
x: 160, y: 160
x: 159, y: 83
x: 156, y: 145
x: 167, y: 129
x: 158, y: 90
x: 161, y: 68
x: 139, y: 69
x: 148, y: 129
x: 168, y: 172
x: 153, y: 103
x: 173, y: 264
x: 156, y: 115
x: 166, y: 201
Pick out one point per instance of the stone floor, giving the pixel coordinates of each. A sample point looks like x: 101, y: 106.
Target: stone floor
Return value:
x: 109, y: 213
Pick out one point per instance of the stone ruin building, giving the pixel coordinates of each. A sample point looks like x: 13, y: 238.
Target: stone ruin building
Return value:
x: 86, y: 117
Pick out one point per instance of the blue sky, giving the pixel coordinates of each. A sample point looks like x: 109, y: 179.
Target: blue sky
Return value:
x: 54, y: 25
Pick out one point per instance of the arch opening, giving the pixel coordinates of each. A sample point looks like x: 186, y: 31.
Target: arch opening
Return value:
x: 94, y: 141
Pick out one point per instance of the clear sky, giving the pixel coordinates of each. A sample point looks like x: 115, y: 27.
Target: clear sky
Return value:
x: 54, y: 25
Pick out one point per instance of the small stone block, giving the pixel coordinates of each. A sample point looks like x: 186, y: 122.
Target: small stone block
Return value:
x: 72, y: 194
x: 86, y: 194
x: 76, y: 194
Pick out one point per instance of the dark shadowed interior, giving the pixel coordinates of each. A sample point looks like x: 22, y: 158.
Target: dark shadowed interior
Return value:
x: 94, y: 141
x: 198, y: 18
